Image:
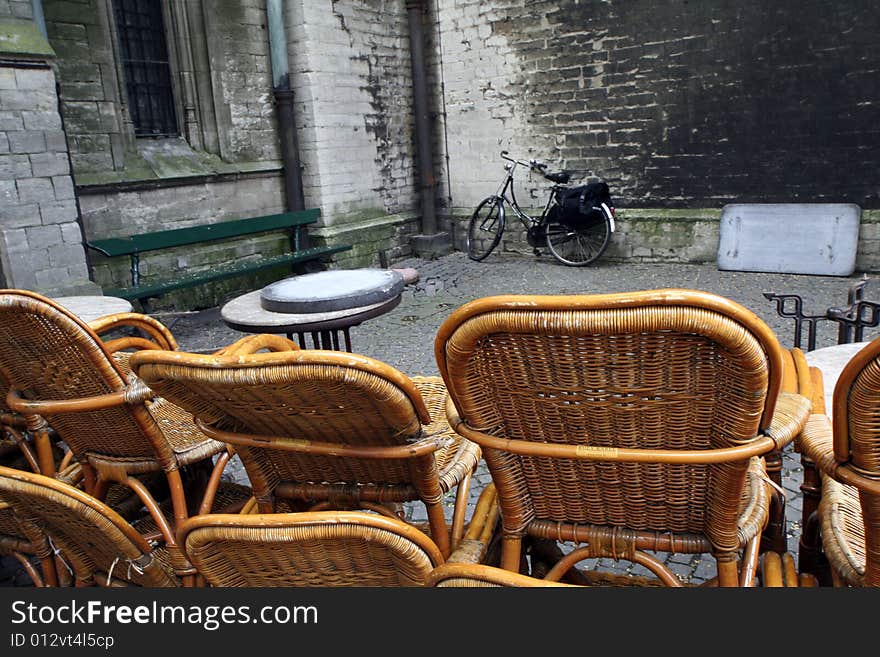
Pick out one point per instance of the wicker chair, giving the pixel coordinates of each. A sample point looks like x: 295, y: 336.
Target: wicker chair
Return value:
x: 64, y: 376
x: 846, y: 451
x: 320, y: 427
x: 326, y: 548
x: 322, y: 548
x: 93, y: 541
x: 628, y: 422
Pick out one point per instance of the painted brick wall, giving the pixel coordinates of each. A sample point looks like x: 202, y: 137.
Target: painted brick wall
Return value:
x: 351, y: 74
x: 678, y: 104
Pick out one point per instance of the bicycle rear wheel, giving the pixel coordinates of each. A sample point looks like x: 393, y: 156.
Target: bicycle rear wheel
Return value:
x: 485, y: 228
x: 582, y: 244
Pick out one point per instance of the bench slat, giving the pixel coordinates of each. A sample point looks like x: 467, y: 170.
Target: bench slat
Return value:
x: 220, y: 273
x: 114, y: 246
x: 163, y: 239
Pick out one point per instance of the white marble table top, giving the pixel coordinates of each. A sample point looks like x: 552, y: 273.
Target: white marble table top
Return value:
x: 831, y: 361
x: 91, y: 307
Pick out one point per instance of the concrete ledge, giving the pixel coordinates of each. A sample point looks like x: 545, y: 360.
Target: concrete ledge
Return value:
x: 431, y: 247
x: 667, y: 235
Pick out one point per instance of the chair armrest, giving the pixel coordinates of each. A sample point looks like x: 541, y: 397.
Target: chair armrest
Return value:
x: 789, y: 417
x: 158, y: 336
x: 816, y: 442
x: 251, y: 344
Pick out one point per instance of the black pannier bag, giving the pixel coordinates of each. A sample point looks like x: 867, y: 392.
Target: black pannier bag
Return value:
x: 577, y: 206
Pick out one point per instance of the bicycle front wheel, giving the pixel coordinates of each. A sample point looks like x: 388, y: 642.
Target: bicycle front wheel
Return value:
x: 579, y: 245
x: 485, y: 228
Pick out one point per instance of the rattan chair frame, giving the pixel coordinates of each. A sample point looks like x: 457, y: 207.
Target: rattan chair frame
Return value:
x: 845, y: 451
x: 98, y: 545
x: 464, y: 575
x: 326, y: 548
x: 553, y: 408
x: 65, y: 377
x: 325, y: 428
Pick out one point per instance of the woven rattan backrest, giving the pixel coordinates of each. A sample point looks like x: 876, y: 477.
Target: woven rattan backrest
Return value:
x: 856, y: 418
x: 50, y: 354
x: 322, y: 396
x: 324, y: 548
x: 10, y: 525
x: 4, y: 388
x: 856, y: 414
x: 660, y: 370
x: 92, y: 538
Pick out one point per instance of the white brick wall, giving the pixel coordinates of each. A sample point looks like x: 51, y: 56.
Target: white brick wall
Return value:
x: 351, y: 75
x: 483, y: 82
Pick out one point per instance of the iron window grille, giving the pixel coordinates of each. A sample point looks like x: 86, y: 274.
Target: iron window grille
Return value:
x: 144, y: 57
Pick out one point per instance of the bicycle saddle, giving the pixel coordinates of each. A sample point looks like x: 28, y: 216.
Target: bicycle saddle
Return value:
x: 559, y: 177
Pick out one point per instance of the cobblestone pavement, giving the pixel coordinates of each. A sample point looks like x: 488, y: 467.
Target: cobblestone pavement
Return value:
x: 404, y: 337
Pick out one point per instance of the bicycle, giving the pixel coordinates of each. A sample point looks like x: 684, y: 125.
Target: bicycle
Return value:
x: 576, y: 224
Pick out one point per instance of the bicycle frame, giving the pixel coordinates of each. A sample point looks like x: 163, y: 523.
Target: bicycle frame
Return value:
x: 506, y: 186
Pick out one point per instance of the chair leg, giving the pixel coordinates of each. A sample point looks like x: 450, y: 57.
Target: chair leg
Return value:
x: 32, y: 572
x: 728, y: 573
x: 773, y: 537
x: 213, y: 484
x: 811, y: 558
x: 188, y: 579
x: 458, y: 517
x: 45, y: 453
x: 178, y: 496
x: 749, y: 566
x: 439, y: 530
x: 26, y: 450
x: 511, y: 552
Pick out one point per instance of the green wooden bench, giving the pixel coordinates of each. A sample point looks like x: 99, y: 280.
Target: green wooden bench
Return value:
x: 134, y: 245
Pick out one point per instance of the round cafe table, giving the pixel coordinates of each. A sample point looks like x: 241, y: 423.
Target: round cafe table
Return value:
x: 831, y: 361
x: 323, y: 305
x: 91, y: 307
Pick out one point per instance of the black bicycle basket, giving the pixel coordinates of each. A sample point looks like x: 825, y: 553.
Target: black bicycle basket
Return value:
x: 577, y: 206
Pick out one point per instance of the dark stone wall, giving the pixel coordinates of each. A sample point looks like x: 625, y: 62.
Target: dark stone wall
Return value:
x: 689, y: 103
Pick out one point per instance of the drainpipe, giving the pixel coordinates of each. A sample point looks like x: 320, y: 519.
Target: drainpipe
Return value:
x: 284, y: 104
x: 431, y: 242
x: 39, y: 19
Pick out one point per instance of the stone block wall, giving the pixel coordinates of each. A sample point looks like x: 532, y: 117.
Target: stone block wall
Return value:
x: 79, y: 32
x: 237, y: 43
x: 222, y: 83
x: 41, y: 246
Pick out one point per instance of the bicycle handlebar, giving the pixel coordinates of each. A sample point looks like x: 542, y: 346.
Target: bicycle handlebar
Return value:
x: 532, y: 164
